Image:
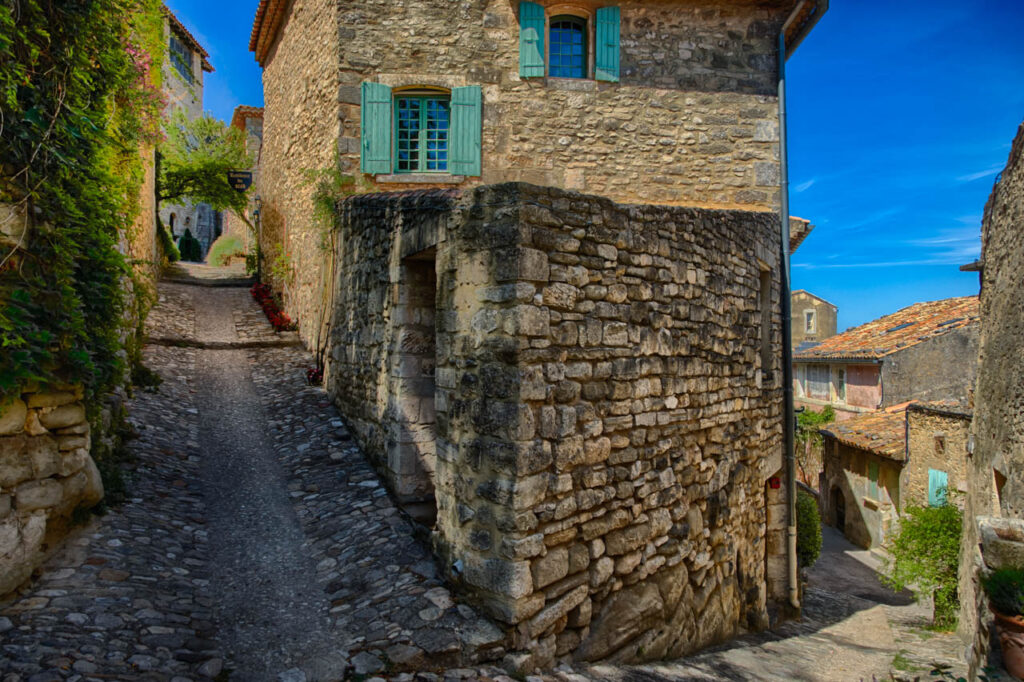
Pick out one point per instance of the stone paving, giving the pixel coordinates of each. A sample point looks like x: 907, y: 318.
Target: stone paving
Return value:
x: 315, y: 573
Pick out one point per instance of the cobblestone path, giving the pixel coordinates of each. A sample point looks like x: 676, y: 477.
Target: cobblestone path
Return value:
x: 258, y: 544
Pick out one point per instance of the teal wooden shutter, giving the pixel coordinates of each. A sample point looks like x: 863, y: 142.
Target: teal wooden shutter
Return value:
x: 464, y: 137
x: 873, y: 480
x: 937, y: 483
x: 607, y: 47
x: 376, y: 129
x: 531, y: 40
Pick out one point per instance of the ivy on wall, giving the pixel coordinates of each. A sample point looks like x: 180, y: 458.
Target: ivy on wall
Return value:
x: 79, y: 97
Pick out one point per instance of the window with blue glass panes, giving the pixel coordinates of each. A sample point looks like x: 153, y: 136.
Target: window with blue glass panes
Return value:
x: 421, y: 134
x: 568, y: 47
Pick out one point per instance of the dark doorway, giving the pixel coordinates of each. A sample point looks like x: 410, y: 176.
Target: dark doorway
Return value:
x: 839, y: 508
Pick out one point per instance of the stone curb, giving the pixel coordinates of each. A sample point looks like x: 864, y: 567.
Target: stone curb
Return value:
x: 182, y: 342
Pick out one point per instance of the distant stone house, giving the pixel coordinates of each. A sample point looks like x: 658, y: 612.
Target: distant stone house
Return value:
x: 581, y: 395
x: 250, y: 121
x: 186, y: 63
x: 814, y: 319
x: 875, y: 464
x: 922, y: 352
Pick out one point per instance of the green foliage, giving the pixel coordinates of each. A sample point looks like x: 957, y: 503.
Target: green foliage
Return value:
x: 167, y: 244
x: 280, y: 264
x: 226, y: 248
x: 331, y: 185
x: 808, y: 422
x: 189, y: 247
x: 808, y: 529
x: 195, y: 160
x: 1005, y: 590
x: 925, y: 551
x: 80, y: 97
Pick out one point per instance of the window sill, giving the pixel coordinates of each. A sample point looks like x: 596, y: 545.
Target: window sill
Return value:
x: 421, y: 178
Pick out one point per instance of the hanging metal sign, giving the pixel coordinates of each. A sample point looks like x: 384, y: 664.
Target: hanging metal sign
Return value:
x: 240, y: 180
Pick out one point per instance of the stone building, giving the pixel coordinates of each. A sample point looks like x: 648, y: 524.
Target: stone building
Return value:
x: 814, y: 319
x: 923, y: 352
x: 185, y: 64
x: 555, y: 323
x: 994, y: 515
x: 875, y: 464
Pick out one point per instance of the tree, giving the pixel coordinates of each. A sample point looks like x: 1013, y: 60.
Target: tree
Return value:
x: 808, y: 441
x: 195, y: 160
x: 925, y: 553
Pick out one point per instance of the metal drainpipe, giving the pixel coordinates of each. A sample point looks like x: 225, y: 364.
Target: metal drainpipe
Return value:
x: 787, y: 324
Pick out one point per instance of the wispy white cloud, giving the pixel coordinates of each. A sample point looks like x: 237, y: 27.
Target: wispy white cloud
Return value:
x: 804, y: 186
x: 971, y: 177
x: 885, y: 264
x: 869, y: 219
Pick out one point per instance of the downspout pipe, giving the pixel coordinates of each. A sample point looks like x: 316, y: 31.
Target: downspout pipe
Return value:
x: 817, y: 9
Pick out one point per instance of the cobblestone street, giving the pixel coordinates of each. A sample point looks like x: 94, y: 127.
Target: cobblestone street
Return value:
x: 257, y: 543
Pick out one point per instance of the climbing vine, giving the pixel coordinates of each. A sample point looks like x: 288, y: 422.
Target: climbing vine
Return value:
x: 79, y: 98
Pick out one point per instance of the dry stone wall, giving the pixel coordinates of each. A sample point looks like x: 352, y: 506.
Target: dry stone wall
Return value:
x: 603, y: 427
x: 46, y: 473
x: 996, y: 465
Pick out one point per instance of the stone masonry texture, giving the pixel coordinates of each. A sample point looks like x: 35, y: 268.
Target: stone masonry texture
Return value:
x: 996, y: 465
x: 600, y: 431
x: 693, y: 120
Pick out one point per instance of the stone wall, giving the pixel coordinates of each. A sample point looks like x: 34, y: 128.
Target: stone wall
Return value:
x: 996, y: 465
x: 603, y: 428
x: 301, y: 129
x: 941, y: 368
x: 46, y: 473
x: 692, y: 121
x: 937, y: 439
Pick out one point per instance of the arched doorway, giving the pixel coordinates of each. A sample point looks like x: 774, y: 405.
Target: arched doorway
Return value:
x: 839, y: 508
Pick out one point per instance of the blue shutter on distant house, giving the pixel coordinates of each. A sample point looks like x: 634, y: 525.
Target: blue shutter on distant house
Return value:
x: 464, y: 137
x: 937, y: 483
x: 376, y: 129
x: 531, y: 40
x: 606, y: 50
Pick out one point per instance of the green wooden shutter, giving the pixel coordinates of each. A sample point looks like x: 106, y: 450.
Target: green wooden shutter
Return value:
x: 607, y: 47
x: 464, y: 137
x: 873, y: 480
x: 531, y: 40
x: 376, y: 128
x: 937, y: 483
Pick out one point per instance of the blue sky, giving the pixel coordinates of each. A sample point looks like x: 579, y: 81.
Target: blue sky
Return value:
x: 900, y: 116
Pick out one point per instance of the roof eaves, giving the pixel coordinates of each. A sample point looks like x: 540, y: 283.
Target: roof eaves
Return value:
x: 179, y: 27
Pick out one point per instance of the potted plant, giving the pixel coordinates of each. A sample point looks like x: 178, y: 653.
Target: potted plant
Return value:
x: 1005, y: 590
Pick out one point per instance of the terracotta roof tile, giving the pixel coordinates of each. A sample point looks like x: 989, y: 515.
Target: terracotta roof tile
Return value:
x: 179, y: 27
x: 269, y: 16
x: 243, y: 112
x: 882, y: 432
x: 907, y: 327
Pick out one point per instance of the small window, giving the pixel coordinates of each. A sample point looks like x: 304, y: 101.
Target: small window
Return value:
x: 181, y: 58
x: 421, y: 134
x: 839, y: 384
x: 940, y: 445
x: 810, y: 323
x: 568, y: 47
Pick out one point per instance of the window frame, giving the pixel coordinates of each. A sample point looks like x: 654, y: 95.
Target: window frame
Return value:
x: 810, y: 322
x: 181, y: 59
x: 422, y: 161
x: 584, y: 24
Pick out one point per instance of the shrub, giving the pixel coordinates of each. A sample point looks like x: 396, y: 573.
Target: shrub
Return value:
x: 189, y: 247
x: 1005, y: 590
x: 167, y: 244
x: 808, y: 529
x: 924, y: 554
x: 224, y: 250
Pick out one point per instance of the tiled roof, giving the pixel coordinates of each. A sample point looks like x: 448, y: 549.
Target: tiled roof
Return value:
x: 180, y: 29
x: 243, y: 112
x: 269, y: 16
x: 902, y: 329
x: 799, y: 228
x: 951, y: 408
x: 883, y: 432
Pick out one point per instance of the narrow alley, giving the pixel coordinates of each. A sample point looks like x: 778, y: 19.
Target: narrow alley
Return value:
x: 258, y: 544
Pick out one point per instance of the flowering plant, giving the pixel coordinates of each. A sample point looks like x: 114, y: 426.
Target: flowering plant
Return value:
x: 265, y: 297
